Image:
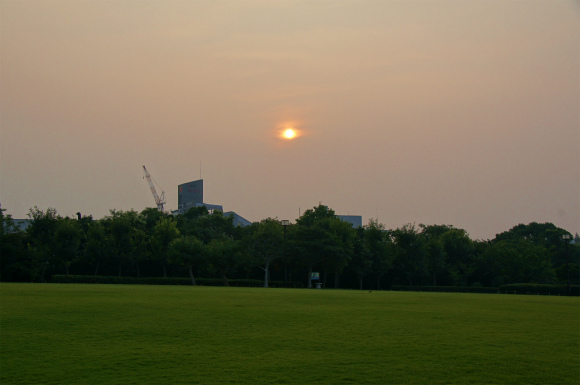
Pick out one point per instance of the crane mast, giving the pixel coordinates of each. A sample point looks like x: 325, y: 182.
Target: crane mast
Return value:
x: 159, y: 201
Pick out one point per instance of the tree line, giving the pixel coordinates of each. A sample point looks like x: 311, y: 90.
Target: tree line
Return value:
x: 198, y: 244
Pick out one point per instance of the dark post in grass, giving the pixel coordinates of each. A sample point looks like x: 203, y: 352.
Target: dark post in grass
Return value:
x: 566, y: 238
x: 285, y: 223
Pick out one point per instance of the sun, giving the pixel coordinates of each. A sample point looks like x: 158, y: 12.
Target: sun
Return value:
x: 289, y: 133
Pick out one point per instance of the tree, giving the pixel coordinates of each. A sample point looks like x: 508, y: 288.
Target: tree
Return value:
x: 67, y: 242
x: 361, y: 262
x: 459, y: 255
x: 214, y: 226
x: 224, y: 255
x: 411, y: 253
x: 121, y: 225
x: 436, y: 255
x: 266, y: 243
x: 379, y: 243
x: 42, y: 232
x: 164, y: 232
x: 14, y: 264
x: 7, y: 223
x: 436, y: 258
x: 562, y: 273
x: 520, y: 261
x: 188, y: 251
x: 199, y: 223
x: 313, y: 216
x: 188, y: 222
x: 307, y: 248
x: 343, y: 236
x: 486, y: 268
x: 99, y: 244
x: 150, y: 217
x: 545, y: 234
x: 322, y: 238
x: 139, y: 247
x: 215, y: 230
x: 449, y: 254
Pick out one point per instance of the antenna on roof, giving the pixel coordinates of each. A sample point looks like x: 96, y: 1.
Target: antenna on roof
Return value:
x: 200, y: 169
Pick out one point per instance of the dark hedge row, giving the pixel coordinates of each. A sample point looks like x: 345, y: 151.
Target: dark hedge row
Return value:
x: 516, y: 288
x: 446, y: 289
x: 532, y: 288
x: 95, y: 279
x: 119, y: 280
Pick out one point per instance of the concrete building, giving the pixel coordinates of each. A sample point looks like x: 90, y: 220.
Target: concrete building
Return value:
x: 354, y: 220
x: 22, y: 224
x: 190, y: 195
x: 238, y: 220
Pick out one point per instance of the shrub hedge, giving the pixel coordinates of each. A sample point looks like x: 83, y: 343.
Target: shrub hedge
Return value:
x: 96, y: 279
x: 533, y: 288
x: 515, y: 288
x: 446, y: 289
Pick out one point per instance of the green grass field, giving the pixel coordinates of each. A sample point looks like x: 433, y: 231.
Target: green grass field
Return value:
x: 105, y: 334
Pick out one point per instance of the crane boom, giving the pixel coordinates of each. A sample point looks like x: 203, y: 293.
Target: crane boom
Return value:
x: 159, y: 201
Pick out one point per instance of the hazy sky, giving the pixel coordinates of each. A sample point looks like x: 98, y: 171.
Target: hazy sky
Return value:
x: 438, y: 112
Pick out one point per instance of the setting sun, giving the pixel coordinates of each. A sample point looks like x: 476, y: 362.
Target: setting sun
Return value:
x: 289, y: 133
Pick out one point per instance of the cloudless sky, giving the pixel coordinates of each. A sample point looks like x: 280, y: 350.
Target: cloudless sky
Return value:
x: 438, y: 112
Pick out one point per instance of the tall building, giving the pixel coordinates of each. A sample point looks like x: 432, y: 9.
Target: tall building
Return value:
x: 190, y: 193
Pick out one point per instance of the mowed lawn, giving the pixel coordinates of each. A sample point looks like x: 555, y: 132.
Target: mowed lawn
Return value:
x: 107, y: 334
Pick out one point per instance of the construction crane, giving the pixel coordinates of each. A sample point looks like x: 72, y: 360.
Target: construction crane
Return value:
x: 158, y: 201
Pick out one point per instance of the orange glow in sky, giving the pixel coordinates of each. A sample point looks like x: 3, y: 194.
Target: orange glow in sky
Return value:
x: 419, y: 114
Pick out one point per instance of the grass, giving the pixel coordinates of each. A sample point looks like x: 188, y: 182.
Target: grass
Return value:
x: 106, y: 334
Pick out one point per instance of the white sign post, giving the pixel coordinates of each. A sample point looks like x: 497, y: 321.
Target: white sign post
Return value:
x: 316, y: 276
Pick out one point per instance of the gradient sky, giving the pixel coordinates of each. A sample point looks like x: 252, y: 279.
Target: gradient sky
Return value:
x: 437, y: 112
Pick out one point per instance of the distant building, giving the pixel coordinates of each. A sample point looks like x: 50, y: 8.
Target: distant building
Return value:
x: 21, y: 224
x: 189, y: 194
x: 188, y: 205
x: 238, y: 220
x: 354, y: 220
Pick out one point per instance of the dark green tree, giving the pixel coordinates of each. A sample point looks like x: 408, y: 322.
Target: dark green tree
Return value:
x: 436, y: 258
x: 41, y: 248
x: 487, y: 267
x: 450, y: 254
x: 67, y: 242
x: 265, y: 244
x: 190, y: 252
x: 150, y: 217
x: 225, y: 255
x: 545, y: 234
x: 188, y: 223
x: 361, y: 263
x: 164, y: 232
x: 323, y: 239
x: 99, y: 245
x: 411, y: 254
x: 14, y: 261
x: 120, y: 225
x: 459, y: 249
x: 519, y: 261
x: 139, y: 247
x: 379, y: 243
x: 214, y: 226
